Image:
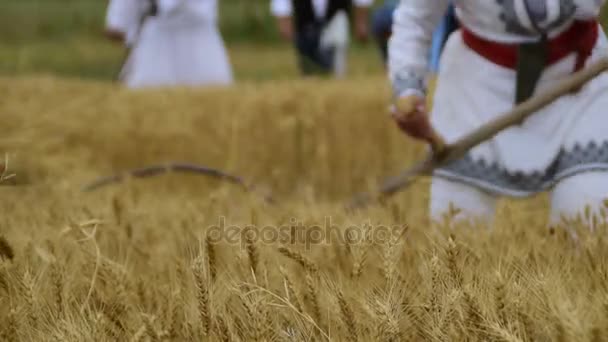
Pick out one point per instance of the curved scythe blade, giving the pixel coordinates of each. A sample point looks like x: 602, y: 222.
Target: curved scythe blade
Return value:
x: 155, y: 170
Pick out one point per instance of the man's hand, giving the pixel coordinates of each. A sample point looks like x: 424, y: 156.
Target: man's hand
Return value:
x: 362, y: 23
x: 115, y: 35
x: 411, y: 116
x: 285, y: 26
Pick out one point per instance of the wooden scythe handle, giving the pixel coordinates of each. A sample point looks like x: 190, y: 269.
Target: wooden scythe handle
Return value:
x: 458, y: 149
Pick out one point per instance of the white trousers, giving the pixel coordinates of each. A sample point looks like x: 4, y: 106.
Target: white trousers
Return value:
x: 569, y: 198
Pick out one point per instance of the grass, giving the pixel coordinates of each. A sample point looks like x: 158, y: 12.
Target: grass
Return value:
x: 83, y: 58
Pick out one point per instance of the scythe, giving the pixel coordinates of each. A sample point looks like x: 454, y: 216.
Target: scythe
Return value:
x: 459, y: 148
x: 434, y: 159
x: 155, y: 170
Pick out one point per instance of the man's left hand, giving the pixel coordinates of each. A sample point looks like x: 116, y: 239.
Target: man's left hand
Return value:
x: 362, y: 23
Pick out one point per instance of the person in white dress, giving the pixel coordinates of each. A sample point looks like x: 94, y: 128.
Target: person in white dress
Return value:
x: 563, y: 148
x: 171, y: 43
x: 320, y: 31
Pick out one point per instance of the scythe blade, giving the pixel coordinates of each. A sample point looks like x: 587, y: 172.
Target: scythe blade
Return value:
x: 155, y: 170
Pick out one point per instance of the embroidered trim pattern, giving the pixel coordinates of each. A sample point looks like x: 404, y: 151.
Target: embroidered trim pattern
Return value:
x: 407, y: 80
x: 493, y: 179
x: 514, y: 25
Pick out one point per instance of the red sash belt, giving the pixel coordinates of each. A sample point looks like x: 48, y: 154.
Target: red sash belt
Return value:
x: 580, y: 38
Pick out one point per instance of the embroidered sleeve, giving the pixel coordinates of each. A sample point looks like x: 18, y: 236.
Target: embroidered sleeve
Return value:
x: 414, y: 23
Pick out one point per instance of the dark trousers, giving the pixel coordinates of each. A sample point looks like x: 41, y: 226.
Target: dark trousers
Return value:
x: 312, y: 59
x: 382, y: 24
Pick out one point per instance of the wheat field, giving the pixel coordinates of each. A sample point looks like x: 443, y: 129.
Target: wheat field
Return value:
x: 182, y: 257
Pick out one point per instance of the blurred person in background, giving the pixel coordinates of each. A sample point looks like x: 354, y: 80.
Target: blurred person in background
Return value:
x: 504, y: 53
x: 320, y: 31
x: 171, y: 42
x: 382, y: 25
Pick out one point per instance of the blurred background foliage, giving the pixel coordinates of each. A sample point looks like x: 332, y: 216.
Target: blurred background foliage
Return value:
x: 26, y: 20
x: 65, y: 37
x: 23, y: 20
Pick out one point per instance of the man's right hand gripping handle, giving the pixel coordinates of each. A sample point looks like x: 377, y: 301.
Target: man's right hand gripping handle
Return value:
x: 410, y: 114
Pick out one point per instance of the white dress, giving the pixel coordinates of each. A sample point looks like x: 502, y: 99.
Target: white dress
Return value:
x: 179, y: 46
x: 565, y: 139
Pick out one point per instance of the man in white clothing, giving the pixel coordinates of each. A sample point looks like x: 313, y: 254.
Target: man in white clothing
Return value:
x: 505, y: 52
x: 320, y: 31
x: 172, y: 42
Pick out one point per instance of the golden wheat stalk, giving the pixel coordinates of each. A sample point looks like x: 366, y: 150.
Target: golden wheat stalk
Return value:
x: 313, y: 298
x: 6, y: 251
x: 252, y: 250
x: 348, y: 316
x: 57, y: 279
x: 290, y: 290
x: 475, y: 319
x: 211, y: 258
x: 222, y: 329
x: 176, y: 316
x: 151, y: 331
x: 306, y: 263
x: 202, y: 295
x: 452, y: 253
